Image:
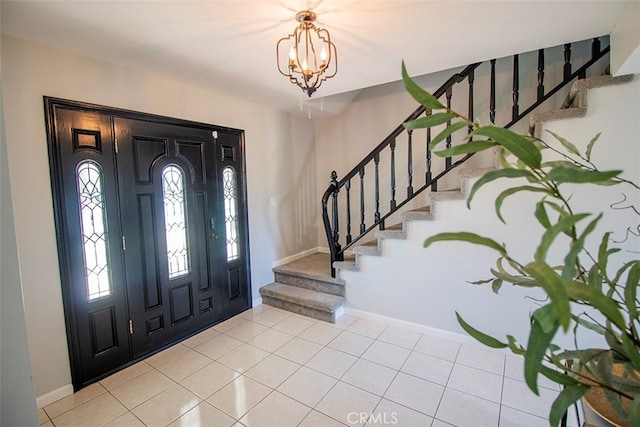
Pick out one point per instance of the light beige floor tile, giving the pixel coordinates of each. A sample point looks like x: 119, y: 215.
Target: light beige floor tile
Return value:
x: 166, y: 407
x: 74, y: 400
x: 270, y: 340
x: 487, y: 360
x: 351, y: 343
x: 386, y: 354
x: 134, y: 392
x: 95, y: 412
x: 276, y: 410
x: 367, y: 328
x: 47, y: 424
x: 439, y: 423
x: 331, y: 362
x: 252, y: 312
x: 344, y: 400
x: 203, y: 415
x: 415, y: 393
x: 166, y: 355
x: 428, y: 367
x: 229, y: 323
x: 245, y: 331
x: 318, y: 419
x: 181, y: 367
x: 121, y: 377
x: 299, y: 350
x: 514, y: 369
x: 464, y: 410
x: 218, y: 346
x: 239, y: 396
x: 320, y: 333
x: 294, y: 325
x: 477, y: 382
x: 438, y: 347
x: 390, y: 413
x: 307, y: 386
x: 126, y: 420
x: 370, y: 376
x: 344, y: 321
x: 201, y: 338
x: 517, y: 395
x: 243, y: 358
x: 513, y: 418
x: 400, y: 337
x: 42, y: 416
x: 272, y: 370
x: 209, y: 379
x: 270, y: 318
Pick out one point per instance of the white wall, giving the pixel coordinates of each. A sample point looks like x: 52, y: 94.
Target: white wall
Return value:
x: 280, y: 164
x: 427, y: 286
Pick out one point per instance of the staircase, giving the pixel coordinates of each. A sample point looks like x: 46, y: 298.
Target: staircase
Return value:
x: 308, y: 286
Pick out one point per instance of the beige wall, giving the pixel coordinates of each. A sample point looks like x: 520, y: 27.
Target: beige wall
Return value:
x: 280, y: 164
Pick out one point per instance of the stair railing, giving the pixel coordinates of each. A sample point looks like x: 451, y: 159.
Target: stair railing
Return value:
x: 337, y: 245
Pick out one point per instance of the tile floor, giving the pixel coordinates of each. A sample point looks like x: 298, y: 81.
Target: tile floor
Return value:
x: 268, y: 367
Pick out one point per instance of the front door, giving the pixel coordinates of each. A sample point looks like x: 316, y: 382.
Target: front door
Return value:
x: 151, y: 219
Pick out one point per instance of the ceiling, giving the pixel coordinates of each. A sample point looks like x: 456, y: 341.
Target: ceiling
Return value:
x: 229, y: 46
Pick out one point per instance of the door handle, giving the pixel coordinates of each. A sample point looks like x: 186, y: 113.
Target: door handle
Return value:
x: 212, y: 226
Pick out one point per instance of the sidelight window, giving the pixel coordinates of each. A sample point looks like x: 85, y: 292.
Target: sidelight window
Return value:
x: 173, y: 195
x: 230, y: 211
x: 93, y: 228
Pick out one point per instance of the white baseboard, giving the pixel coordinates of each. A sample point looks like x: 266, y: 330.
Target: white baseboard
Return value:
x: 256, y: 302
x: 417, y: 327
x: 54, y: 396
x: 298, y: 256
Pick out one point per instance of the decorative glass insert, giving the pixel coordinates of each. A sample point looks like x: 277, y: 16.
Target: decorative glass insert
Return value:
x: 230, y: 211
x: 93, y: 228
x: 175, y: 222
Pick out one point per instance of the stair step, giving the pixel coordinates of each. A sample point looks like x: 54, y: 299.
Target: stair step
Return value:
x: 319, y: 305
x: 394, y: 232
x: 369, y: 248
x: 312, y: 272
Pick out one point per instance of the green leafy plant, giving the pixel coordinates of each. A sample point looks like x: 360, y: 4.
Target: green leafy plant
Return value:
x: 584, y: 279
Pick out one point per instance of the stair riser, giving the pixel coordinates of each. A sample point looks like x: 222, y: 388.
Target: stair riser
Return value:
x: 306, y: 283
x: 305, y: 311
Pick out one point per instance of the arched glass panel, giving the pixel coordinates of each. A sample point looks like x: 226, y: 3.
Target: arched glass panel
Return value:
x: 230, y: 211
x: 175, y: 223
x: 93, y: 228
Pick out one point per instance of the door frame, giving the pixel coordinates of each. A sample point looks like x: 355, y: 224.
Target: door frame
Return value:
x: 51, y: 104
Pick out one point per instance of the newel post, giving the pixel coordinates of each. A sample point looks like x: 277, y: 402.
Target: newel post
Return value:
x: 335, y: 228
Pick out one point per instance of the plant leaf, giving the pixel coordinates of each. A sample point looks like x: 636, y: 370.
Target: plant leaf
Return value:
x: 541, y: 214
x: 594, y: 297
x: 511, y: 191
x: 563, y: 225
x: 496, y: 174
x: 562, y: 174
x: 558, y: 377
x: 537, y: 346
x: 519, y: 145
x: 481, y: 337
x: 630, y: 290
x: 469, y: 147
x: 429, y: 121
x: 496, y: 285
x: 566, y: 144
x: 464, y: 236
x: 590, y: 146
x: 448, y: 131
x: 422, y: 96
x: 567, y: 397
x: 571, y: 260
x: 554, y: 286
x: 546, y: 317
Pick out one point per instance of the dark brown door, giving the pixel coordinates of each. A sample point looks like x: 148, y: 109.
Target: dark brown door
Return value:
x: 151, y: 217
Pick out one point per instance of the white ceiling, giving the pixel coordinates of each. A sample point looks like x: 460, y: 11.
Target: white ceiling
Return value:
x: 229, y: 46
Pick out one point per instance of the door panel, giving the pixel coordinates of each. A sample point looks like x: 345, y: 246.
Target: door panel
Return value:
x: 165, y: 246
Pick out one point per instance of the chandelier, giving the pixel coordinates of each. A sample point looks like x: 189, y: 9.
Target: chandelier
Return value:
x: 307, y: 56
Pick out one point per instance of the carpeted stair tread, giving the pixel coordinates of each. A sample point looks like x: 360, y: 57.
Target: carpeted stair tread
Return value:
x: 304, y: 297
x: 316, y: 266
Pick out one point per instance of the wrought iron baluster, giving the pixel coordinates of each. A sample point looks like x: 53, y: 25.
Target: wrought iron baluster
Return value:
x: 492, y: 95
x: 392, y: 203
x: 428, y: 174
x: 567, y: 61
x: 410, y: 163
x: 448, y: 95
x: 334, y: 207
x: 471, y: 78
x: 595, y: 47
x: 376, y: 161
x: 347, y: 186
x: 362, y: 226
x: 540, y: 74
x: 516, y: 86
